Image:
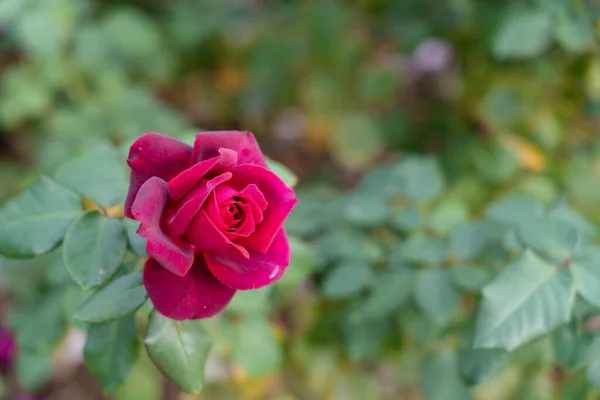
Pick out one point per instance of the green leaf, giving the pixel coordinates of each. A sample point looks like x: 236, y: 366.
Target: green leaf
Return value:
x: 282, y: 172
x: 523, y: 34
x: 574, y: 33
x: 32, y: 369
x: 346, y: 245
x: 143, y: 382
x: 497, y: 163
x: 94, y: 247
x: 420, y: 327
x: 255, y: 347
x: 436, y: 296
x: 419, y: 249
x: 406, y: 220
x: 447, y: 216
x: 513, y: 210
x: 136, y: 242
x: 40, y: 328
x: 586, y: 271
x: 357, y: 141
x: 561, y: 211
x: 527, y: 299
x: 469, y: 278
x: 550, y: 237
x: 100, y: 174
x: 467, y: 241
x: 366, y: 209
x: 390, y: 289
x: 302, y: 261
x: 111, y: 350
x: 571, y: 346
x: 45, y: 29
x: 346, y: 280
x: 364, y: 338
x: 593, y: 367
x: 419, y: 177
x: 36, y: 220
x: 119, y: 298
x: 179, y: 350
x: 576, y: 387
x: 440, y: 379
x: 249, y: 302
x: 477, y: 366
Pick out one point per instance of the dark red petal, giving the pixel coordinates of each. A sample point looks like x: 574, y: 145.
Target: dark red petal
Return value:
x: 243, y: 143
x: 192, y: 203
x: 257, y: 271
x: 196, y: 295
x: 154, y: 154
x: 280, y: 197
x: 206, y: 236
x: 173, y: 254
x: 180, y: 185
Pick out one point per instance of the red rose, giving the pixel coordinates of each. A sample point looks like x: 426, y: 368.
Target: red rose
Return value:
x: 213, y: 217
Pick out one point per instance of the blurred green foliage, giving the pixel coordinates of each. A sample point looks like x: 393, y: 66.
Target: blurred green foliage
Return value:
x: 448, y: 155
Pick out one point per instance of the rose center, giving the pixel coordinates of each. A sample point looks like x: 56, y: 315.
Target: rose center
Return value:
x: 232, y: 214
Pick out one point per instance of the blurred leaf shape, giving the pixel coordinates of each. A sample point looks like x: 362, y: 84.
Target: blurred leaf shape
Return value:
x: 523, y: 34
x: 389, y: 291
x: 357, y: 141
x: 440, y: 379
x: 419, y: 177
x: 478, y: 366
x: 435, y: 295
x: 346, y: 280
x: 255, y: 348
x: 467, y: 241
x: 470, y: 278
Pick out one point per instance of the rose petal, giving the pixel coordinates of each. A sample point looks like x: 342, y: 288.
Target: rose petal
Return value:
x: 196, y: 295
x: 243, y: 143
x: 173, y: 254
x: 250, y: 210
x: 191, y: 204
x: 154, y: 154
x: 253, y: 196
x: 180, y: 185
x: 280, y: 197
x: 247, y: 226
x: 205, y: 235
x: 257, y: 271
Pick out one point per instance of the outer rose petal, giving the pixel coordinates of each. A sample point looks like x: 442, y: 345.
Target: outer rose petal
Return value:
x: 154, y: 154
x: 280, y: 198
x: 196, y: 295
x: 258, y: 271
x: 244, y: 144
x: 180, y: 185
x: 173, y: 254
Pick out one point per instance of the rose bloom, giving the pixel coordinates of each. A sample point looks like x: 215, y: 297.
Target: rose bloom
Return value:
x: 213, y: 218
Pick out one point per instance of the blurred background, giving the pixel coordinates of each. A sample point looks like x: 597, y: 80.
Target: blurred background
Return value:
x: 403, y: 120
